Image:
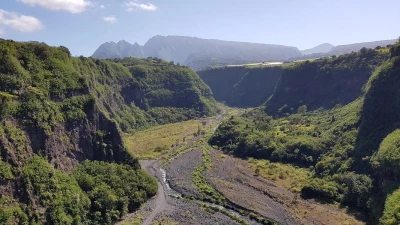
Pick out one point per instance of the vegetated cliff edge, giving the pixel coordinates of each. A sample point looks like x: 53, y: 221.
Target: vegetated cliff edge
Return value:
x: 57, y: 111
x: 242, y: 86
x: 352, y: 150
x: 325, y: 82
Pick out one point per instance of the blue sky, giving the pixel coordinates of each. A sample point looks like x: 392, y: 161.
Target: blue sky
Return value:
x: 82, y: 25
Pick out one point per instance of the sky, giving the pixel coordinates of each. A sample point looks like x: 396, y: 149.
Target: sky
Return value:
x: 83, y: 25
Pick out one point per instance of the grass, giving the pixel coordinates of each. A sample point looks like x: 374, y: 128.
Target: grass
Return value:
x: 286, y: 175
x: 137, y: 220
x: 7, y: 95
x: 206, y: 190
x: 156, y: 141
x: 164, y: 221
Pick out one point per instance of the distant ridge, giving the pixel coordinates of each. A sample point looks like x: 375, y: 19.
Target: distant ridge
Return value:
x: 345, y: 49
x: 323, y: 48
x: 194, y: 51
x: 121, y: 49
x: 199, y: 53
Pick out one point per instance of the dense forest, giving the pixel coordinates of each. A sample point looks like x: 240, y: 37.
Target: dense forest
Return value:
x: 347, y: 138
x: 61, y: 118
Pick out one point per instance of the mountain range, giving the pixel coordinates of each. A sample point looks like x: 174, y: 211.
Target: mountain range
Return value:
x: 190, y: 50
x: 323, y: 48
x: 199, y: 53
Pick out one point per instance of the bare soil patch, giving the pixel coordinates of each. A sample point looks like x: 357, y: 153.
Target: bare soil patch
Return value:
x: 233, y: 178
x: 180, y: 170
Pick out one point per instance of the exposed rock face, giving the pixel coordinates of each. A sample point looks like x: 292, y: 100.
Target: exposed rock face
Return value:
x: 323, y: 83
x: 242, y: 86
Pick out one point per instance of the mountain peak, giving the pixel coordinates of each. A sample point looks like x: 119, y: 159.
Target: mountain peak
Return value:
x: 184, y: 49
x: 123, y: 42
x: 322, y: 48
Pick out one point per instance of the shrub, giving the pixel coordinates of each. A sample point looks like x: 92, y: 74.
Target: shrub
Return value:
x: 391, y: 214
x: 357, y: 189
x: 322, y: 189
x: 388, y: 156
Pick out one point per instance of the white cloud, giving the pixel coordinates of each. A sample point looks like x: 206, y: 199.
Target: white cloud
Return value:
x: 1, y: 31
x: 20, y: 22
x: 110, y: 19
x: 72, y: 6
x: 134, y: 5
x: 102, y: 6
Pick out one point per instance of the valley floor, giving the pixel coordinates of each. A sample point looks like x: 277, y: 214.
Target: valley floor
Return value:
x: 191, y: 172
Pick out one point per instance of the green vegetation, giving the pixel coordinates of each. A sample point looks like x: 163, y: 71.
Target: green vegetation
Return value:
x: 388, y: 156
x: 5, y: 172
x: 391, y: 214
x: 242, y: 86
x: 113, y: 189
x: 95, y: 193
x: 156, y: 141
x: 208, y: 193
x: 347, y: 141
x: 11, y: 211
x: 66, y: 203
x: 290, y: 177
x: 69, y: 110
x: 324, y: 82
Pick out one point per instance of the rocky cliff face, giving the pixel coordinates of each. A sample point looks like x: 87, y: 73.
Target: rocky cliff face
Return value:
x: 323, y: 83
x: 242, y: 86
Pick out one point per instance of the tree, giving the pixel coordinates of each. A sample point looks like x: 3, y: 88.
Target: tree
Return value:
x: 302, y: 109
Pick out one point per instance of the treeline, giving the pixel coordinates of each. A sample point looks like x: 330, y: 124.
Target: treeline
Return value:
x: 352, y: 150
x: 94, y: 193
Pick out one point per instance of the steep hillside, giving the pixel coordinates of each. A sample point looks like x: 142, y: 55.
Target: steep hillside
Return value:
x: 187, y: 50
x: 242, y: 86
x: 139, y: 93
x: 345, y: 49
x: 57, y: 111
x: 324, y: 82
x: 351, y: 150
x: 380, y: 122
x: 323, y: 48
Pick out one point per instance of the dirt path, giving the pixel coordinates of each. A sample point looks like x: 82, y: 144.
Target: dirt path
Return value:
x: 161, y: 200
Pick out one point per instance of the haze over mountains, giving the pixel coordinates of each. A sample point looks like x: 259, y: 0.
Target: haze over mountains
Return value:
x: 323, y: 48
x: 203, y: 53
x: 187, y: 50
